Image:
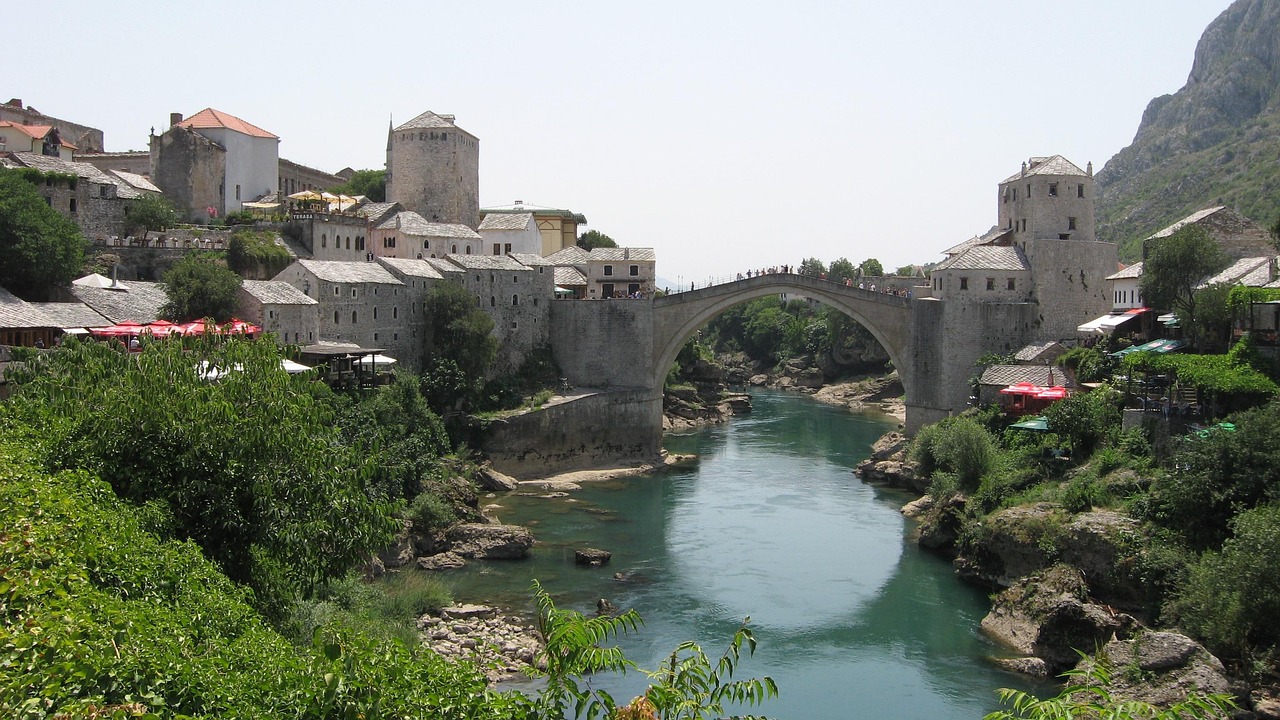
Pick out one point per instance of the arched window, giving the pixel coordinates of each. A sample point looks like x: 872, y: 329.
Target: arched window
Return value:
x: 468, y: 249
x: 455, y: 250
x: 353, y: 317
x: 324, y: 240
x: 515, y: 300
x: 375, y: 312
x: 426, y: 245
x: 493, y: 301
x: 395, y: 312
x: 335, y: 317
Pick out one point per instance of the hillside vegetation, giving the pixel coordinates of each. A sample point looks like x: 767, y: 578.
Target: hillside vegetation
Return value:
x: 1214, y: 142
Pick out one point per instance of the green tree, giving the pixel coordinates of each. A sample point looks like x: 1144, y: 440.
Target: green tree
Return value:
x: 813, y: 267
x: 39, y: 248
x: 256, y: 254
x: 1211, y: 324
x: 905, y: 271
x: 959, y: 446
x: 251, y: 468
x: 592, y: 239
x: 149, y: 212
x: 871, y: 268
x: 841, y: 270
x: 459, y: 345
x: 370, y: 183
x: 1175, y: 266
x: 1085, y: 418
x: 200, y: 286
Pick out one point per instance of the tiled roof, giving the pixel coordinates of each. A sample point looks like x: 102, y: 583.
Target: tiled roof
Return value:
x: 412, y: 268
x: 531, y: 259
x: 504, y: 221
x: 538, y: 211
x: 572, y: 255
x: 276, y: 292
x: 569, y: 277
x: 428, y: 121
x: 140, y: 303
x: 991, y: 237
x: 985, y: 257
x: 376, y: 212
x: 1250, y: 272
x: 136, y: 180
x: 1044, y: 376
x: 45, y: 163
x: 1194, y: 217
x: 1035, y: 350
x: 210, y: 118
x: 36, y: 132
x: 1134, y: 271
x: 17, y: 313
x: 71, y: 314
x: 411, y: 223
x: 486, y: 262
x: 622, y: 254
x: 1053, y: 165
x: 349, y: 272
x: 444, y: 267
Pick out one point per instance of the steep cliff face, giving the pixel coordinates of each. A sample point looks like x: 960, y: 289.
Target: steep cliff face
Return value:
x: 1214, y: 142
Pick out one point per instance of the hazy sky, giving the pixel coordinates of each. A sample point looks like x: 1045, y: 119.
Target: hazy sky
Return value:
x: 725, y: 135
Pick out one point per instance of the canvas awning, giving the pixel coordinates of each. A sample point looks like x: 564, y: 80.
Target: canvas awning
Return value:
x: 1156, y: 346
x: 1110, y: 321
x: 1035, y: 424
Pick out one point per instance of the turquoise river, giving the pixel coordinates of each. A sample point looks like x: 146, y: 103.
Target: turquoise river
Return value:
x: 853, y: 620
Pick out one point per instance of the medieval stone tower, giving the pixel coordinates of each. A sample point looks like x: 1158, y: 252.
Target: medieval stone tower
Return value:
x: 1047, y: 210
x: 433, y: 168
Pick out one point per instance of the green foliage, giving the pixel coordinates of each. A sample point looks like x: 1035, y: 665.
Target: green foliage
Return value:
x: 370, y: 183
x: 842, y: 270
x: 149, y: 212
x: 812, y: 267
x: 1212, y: 373
x: 1216, y: 476
x: 871, y: 267
x: 397, y: 433
x: 592, y: 239
x: 1089, y: 364
x: 39, y: 248
x: 102, y: 616
x: 536, y: 377
x: 1240, y: 297
x: 1086, y: 696
x: 251, y: 468
x: 1232, y: 598
x: 1175, y: 266
x: 459, y: 345
x: 958, y: 445
x: 688, y: 685
x: 255, y: 253
x: 1211, y: 325
x: 1084, y: 418
x: 430, y: 513
x: 200, y: 286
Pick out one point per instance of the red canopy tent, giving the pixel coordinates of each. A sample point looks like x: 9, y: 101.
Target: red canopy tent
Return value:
x: 1022, y: 388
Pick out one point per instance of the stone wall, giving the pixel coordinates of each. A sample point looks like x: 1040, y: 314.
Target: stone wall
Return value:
x: 1070, y: 283
x: 436, y: 173
x: 519, y: 302
x: 603, y: 343
x: 85, y: 138
x: 294, y: 178
x: 137, y: 162
x: 189, y: 169
x: 606, y: 429
x: 334, y: 237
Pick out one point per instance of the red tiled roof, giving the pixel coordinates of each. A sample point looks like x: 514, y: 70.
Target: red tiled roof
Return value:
x: 35, y: 132
x: 210, y: 118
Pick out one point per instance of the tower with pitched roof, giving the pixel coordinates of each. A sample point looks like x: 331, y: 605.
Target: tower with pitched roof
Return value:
x: 433, y: 168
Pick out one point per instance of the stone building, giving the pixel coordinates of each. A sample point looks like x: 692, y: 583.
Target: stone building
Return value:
x: 407, y: 234
x: 608, y: 272
x: 37, y: 139
x: 137, y: 162
x: 280, y: 309
x: 558, y: 228
x: 95, y: 201
x: 83, y: 137
x: 510, y: 234
x: 214, y: 160
x: 433, y: 169
x: 293, y: 177
x: 359, y: 302
x: 518, y: 299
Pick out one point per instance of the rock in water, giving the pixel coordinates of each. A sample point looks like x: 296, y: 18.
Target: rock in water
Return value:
x: 591, y: 556
x: 489, y: 542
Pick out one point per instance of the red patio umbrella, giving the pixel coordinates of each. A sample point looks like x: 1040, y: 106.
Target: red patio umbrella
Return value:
x: 240, y: 327
x: 1057, y: 392
x: 1021, y: 388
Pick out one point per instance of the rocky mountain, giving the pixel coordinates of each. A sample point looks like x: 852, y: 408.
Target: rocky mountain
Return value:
x: 1214, y: 142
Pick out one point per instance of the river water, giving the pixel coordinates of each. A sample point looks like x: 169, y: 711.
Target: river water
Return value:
x: 853, y: 621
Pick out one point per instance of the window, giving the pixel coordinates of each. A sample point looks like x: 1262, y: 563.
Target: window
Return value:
x: 353, y: 317
x: 634, y: 271
x: 389, y: 242
x: 395, y: 312
x: 237, y: 192
x: 335, y: 289
x: 271, y: 314
x: 1011, y: 284
x: 1015, y: 194
x: 375, y: 312
x: 468, y: 249
x: 608, y: 270
x: 1071, y: 223
x: 493, y: 301
x: 72, y: 206
x: 335, y: 317
x: 353, y: 292
x: 506, y: 247
x: 515, y: 279
x: 1024, y: 224
x: 497, y: 248
x: 375, y: 337
x: 964, y: 283
x: 1079, y: 191
x: 535, y: 302
x: 102, y: 191
x: 324, y: 240
x: 991, y: 283
x: 1053, y: 189
x: 515, y: 300
x: 348, y: 242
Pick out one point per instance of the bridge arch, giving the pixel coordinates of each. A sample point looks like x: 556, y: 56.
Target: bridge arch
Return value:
x: 678, y: 317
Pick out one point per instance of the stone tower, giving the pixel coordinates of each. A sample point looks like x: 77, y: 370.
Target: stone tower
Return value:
x: 1047, y: 210
x: 433, y: 168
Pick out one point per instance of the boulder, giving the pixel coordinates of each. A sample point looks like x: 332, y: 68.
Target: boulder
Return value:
x: 810, y: 378
x: 401, y: 550
x: 1048, y: 616
x: 1161, y: 668
x: 888, y: 446
x: 489, y: 542
x: 759, y: 379
x: 1032, y: 666
x: 443, y: 561
x: 467, y: 610
x: 940, y: 526
x: 1015, y: 542
x: 489, y: 479
x: 591, y: 556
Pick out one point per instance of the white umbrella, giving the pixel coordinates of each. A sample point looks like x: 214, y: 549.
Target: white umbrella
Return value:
x: 292, y: 367
x: 377, y: 361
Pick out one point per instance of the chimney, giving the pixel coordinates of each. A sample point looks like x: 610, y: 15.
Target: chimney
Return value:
x: 1090, y: 170
x: 15, y: 102
x: 1024, y: 168
x: 397, y: 221
x: 174, y: 118
x: 115, y: 279
x: 448, y: 118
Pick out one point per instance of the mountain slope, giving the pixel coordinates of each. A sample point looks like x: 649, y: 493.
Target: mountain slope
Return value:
x: 1214, y: 142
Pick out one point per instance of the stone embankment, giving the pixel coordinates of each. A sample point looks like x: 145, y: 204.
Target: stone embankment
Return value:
x: 505, y: 647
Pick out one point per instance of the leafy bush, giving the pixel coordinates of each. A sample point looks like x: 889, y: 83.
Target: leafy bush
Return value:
x: 256, y: 254
x: 430, y: 512
x: 1085, y: 418
x: 956, y: 445
x: 1232, y: 598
